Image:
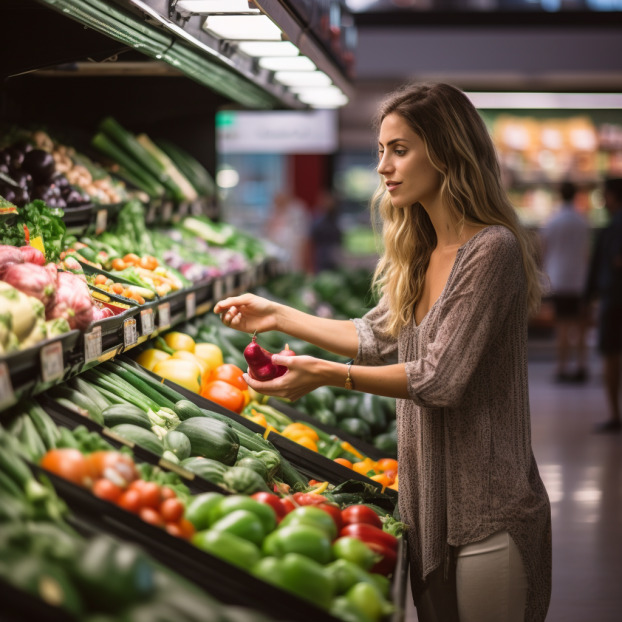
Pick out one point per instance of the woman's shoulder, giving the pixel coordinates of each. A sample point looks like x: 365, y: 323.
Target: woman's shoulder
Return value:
x: 496, y: 238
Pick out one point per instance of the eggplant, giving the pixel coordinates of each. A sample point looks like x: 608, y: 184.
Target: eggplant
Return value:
x: 5, y: 158
x: 22, y: 196
x: 23, y: 179
x: 74, y: 198
x: 17, y: 156
x: 8, y: 193
x: 4, y: 169
x: 40, y: 164
x: 60, y: 181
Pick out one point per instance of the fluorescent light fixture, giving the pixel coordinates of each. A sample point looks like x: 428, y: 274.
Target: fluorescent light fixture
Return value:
x: 287, y: 63
x: 302, y: 78
x: 323, y: 97
x: 202, y: 7
x: 242, y: 27
x: 268, y: 48
x: 547, y: 101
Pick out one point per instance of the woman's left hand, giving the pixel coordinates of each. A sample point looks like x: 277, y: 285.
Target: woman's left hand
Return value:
x: 304, y: 373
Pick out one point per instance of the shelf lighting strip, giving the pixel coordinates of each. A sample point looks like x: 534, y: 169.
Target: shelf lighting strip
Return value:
x: 546, y: 101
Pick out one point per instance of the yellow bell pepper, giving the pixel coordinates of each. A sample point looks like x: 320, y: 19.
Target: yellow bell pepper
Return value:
x: 352, y: 450
x: 210, y: 353
x: 179, y: 341
x: 185, y: 355
x: 151, y: 357
x: 257, y: 418
x: 185, y: 373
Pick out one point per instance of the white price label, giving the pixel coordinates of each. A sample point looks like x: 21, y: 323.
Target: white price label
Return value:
x: 101, y: 221
x: 218, y: 289
x: 130, y: 334
x: 52, y: 364
x: 164, y: 315
x: 93, y: 344
x: 191, y: 305
x: 7, y: 396
x: 147, y: 321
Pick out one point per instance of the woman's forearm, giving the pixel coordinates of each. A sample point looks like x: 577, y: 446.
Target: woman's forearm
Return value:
x: 387, y: 380
x: 337, y: 336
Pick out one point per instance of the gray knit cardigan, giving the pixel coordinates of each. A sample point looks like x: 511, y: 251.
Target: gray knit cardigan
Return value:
x: 466, y: 466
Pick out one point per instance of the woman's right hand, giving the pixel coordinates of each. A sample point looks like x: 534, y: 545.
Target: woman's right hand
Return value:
x: 248, y: 313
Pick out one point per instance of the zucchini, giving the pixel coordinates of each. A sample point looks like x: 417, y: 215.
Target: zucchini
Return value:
x: 291, y: 476
x: 141, y: 437
x: 47, y: 429
x: 244, y: 481
x: 80, y: 400
x: 254, y: 464
x: 211, y: 439
x: 186, y: 409
x: 86, y: 388
x: 211, y: 470
x: 126, y: 413
x: 178, y: 443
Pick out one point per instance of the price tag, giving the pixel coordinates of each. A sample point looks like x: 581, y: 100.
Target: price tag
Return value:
x: 52, y: 364
x: 147, y: 321
x: 7, y: 396
x: 191, y: 305
x: 101, y: 220
x: 93, y: 344
x: 218, y: 289
x: 130, y: 334
x: 164, y: 315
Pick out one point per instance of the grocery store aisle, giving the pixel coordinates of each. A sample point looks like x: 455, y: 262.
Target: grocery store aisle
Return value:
x: 583, y: 475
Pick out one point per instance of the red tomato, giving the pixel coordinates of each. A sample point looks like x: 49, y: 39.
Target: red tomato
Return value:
x: 386, y: 564
x: 167, y: 493
x: 130, y: 501
x: 281, y: 506
x: 105, y: 489
x: 360, y: 514
x: 335, y: 512
x: 69, y: 464
x: 368, y: 533
x: 149, y: 493
x: 286, y: 502
x: 151, y: 516
x: 308, y: 498
x: 187, y: 528
x: 113, y: 465
x: 171, y: 510
x: 174, y: 529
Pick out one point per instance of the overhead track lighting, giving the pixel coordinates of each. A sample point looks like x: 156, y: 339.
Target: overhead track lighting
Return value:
x: 202, y: 7
x: 242, y: 27
x: 287, y: 63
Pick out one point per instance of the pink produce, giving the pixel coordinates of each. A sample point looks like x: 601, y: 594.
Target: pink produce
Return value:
x: 32, y: 255
x: 9, y: 255
x: 32, y: 280
x: 73, y: 301
x: 99, y: 313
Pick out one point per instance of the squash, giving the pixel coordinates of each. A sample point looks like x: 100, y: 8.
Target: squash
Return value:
x: 211, y: 439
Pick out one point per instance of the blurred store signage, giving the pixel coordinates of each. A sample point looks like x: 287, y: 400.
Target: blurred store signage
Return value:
x: 288, y: 131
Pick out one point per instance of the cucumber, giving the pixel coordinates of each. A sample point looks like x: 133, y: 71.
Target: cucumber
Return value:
x: 178, y: 443
x: 291, y: 476
x: 211, y: 439
x: 211, y: 470
x: 141, y: 437
x: 47, y: 429
x: 80, y: 400
x: 355, y: 427
x: 126, y: 413
x: 245, y: 481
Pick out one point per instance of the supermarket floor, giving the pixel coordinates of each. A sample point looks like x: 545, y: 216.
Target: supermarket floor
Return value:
x: 583, y: 475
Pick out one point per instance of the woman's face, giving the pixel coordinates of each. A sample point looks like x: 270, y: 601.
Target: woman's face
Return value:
x: 408, y: 173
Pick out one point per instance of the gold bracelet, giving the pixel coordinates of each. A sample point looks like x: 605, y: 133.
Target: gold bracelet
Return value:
x: 349, y: 384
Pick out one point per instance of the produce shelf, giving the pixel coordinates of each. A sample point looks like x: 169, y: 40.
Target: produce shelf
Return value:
x: 225, y: 582
x: 18, y: 606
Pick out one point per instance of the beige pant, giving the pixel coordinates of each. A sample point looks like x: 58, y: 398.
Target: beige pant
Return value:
x: 487, y: 584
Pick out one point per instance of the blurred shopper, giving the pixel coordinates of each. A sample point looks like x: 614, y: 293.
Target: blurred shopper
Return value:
x: 449, y: 340
x: 605, y: 284
x: 326, y: 235
x: 566, y: 249
x: 287, y: 227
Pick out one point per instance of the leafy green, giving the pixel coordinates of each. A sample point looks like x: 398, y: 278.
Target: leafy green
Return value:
x: 48, y: 223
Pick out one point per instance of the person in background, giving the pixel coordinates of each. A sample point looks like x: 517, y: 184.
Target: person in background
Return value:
x: 325, y: 234
x: 448, y: 339
x: 288, y: 227
x: 566, y: 249
x: 605, y: 284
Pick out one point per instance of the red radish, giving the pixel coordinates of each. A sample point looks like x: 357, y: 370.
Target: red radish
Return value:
x: 32, y: 255
x: 33, y: 280
x: 260, y: 365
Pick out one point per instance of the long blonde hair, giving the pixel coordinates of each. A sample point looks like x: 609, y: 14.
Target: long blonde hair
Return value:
x: 459, y: 146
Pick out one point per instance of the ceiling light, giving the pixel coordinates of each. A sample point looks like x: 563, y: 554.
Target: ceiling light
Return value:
x: 302, y: 78
x: 268, y: 48
x: 217, y: 6
x: 323, y: 97
x: 242, y: 27
x: 287, y: 63
x: 548, y: 101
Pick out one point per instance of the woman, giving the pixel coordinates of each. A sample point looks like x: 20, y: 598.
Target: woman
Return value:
x: 448, y: 338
